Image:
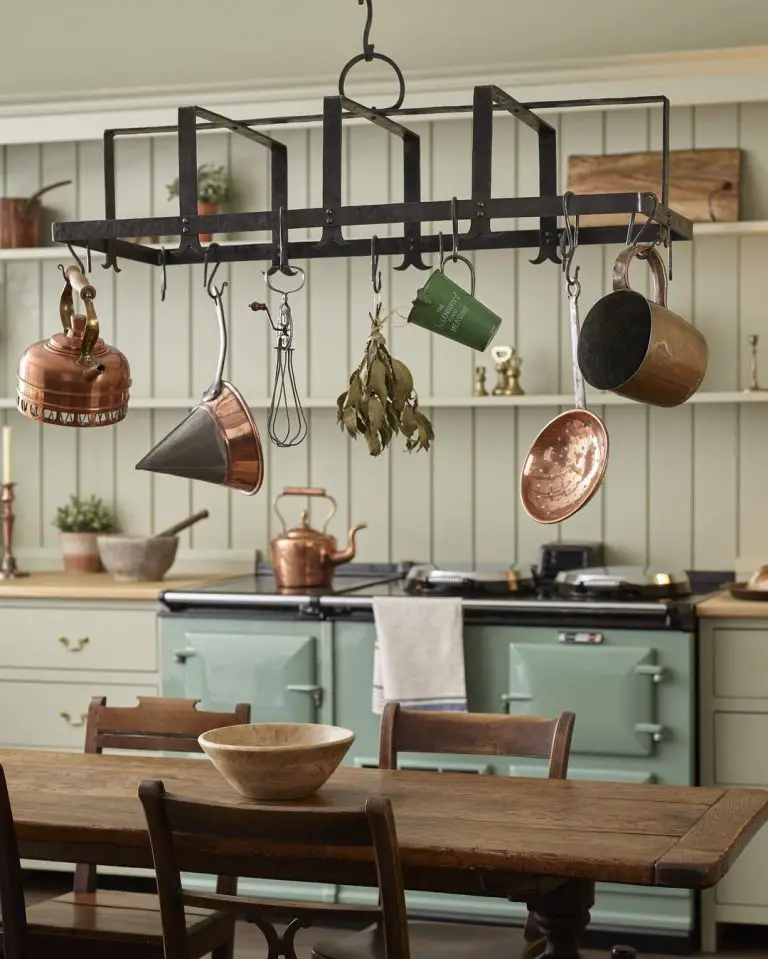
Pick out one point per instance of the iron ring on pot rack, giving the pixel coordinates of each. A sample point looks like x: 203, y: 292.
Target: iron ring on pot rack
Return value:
x: 368, y: 55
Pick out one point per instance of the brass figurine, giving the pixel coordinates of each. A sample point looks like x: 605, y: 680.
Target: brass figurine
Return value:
x: 754, y: 386
x: 501, y: 357
x: 480, y: 389
x: 513, y: 376
x: 508, y: 365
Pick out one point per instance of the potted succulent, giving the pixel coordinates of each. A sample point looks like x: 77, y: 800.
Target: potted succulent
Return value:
x: 213, y: 188
x: 79, y: 523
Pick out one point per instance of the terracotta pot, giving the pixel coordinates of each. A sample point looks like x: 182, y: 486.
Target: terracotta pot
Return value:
x: 80, y: 553
x: 206, y: 209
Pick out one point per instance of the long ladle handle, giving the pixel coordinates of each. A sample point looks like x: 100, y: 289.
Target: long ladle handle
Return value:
x: 579, y: 392
x: 215, y: 388
x: 184, y: 524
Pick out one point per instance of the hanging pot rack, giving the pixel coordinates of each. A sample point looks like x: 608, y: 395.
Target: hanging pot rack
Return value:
x: 112, y: 236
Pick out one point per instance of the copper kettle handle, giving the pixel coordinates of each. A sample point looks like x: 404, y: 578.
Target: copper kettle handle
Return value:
x: 75, y: 280
x: 305, y: 491
x: 648, y: 252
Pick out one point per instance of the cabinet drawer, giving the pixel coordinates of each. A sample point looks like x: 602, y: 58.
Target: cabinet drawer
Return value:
x: 746, y: 883
x: 740, y: 759
x: 31, y: 713
x: 79, y: 639
x: 740, y: 667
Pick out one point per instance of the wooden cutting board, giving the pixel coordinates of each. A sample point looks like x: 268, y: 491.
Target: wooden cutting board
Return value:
x: 703, y: 184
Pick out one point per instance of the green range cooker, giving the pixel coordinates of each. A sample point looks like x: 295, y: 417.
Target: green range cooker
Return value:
x: 616, y: 646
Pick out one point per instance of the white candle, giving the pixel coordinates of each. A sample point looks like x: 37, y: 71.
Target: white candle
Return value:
x: 6, y: 454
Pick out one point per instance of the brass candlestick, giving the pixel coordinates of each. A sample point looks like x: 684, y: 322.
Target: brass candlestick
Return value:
x: 754, y: 386
x: 480, y: 389
x: 8, y: 567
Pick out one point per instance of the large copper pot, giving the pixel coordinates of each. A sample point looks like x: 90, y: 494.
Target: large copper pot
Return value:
x: 304, y: 556
x: 74, y: 378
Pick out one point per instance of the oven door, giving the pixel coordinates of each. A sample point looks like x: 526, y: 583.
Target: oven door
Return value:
x: 611, y: 689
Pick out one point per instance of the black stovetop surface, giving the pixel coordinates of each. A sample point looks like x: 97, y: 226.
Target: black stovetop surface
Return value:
x: 355, y: 586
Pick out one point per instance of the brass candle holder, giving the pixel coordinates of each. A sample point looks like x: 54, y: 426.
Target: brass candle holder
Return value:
x: 754, y: 386
x: 8, y: 567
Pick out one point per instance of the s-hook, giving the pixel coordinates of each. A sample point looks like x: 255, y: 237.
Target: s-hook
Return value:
x: 164, y: 274
x: 664, y: 231
x: 368, y: 55
x: 280, y: 261
x: 569, y: 243
x: 375, y: 277
x: 111, y: 261
x: 286, y: 421
x: 211, y: 290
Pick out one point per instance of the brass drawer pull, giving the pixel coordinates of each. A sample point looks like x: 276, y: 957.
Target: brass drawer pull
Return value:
x: 75, y: 647
x: 67, y: 717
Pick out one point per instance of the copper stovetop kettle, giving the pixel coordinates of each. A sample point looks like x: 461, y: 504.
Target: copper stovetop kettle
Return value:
x: 74, y: 378
x: 303, y: 556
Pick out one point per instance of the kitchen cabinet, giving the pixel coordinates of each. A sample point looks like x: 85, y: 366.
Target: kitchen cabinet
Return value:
x: 733, y: 721
x: 631, y: 692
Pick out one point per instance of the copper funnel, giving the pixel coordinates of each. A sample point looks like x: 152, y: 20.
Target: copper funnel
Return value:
x: 74, y: 378
x: 218, y: 442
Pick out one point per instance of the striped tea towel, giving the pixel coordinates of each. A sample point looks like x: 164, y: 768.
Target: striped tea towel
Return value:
x: 418, y: 658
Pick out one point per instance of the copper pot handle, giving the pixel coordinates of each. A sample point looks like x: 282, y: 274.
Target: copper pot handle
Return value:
x: 305, y: 491
x: 648, y: 252
x: 77, y: 281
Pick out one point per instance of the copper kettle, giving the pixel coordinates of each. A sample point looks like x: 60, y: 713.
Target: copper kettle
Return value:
x: 74, y: 378
x: 304, y: 556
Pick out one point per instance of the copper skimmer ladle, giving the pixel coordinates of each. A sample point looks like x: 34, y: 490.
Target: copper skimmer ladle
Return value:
x: 566, y: 463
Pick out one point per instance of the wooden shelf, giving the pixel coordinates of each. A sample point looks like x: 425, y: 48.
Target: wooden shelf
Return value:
x: 446, y: 402
x: 741, y: 228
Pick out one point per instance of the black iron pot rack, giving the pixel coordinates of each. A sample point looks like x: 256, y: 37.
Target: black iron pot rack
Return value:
x: 112, y: 236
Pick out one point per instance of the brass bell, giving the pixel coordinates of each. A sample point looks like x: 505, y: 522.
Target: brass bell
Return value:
x: 74, y: 378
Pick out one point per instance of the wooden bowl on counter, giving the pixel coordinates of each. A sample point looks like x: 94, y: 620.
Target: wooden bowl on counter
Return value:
x: 277, y: 760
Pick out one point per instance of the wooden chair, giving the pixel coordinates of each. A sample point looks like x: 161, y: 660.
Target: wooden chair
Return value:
x: 421, y: 731
x: 15, y: 938
x: 390, y: 936
x: 122, y: 925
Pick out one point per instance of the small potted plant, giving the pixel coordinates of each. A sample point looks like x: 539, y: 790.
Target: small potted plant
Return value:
x: 79, y: 523
x: 213, y: 188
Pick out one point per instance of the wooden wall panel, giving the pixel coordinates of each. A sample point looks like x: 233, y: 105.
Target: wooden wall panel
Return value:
x: 683, y: 486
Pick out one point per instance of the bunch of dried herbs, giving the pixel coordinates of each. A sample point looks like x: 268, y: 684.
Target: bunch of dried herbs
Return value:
x: 381, y: 401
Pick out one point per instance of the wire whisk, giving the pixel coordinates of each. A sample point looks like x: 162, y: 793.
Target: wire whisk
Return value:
x: 286, y: 420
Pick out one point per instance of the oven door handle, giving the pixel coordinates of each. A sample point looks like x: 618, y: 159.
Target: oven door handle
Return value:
x: 656, y: 732
x: 657, y: 673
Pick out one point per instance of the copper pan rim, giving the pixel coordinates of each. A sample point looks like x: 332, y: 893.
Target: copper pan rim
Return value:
x: 252, y: 488
x: 557, y: 514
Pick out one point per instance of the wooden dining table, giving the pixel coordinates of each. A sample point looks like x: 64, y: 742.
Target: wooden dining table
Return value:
x: 543, y: 842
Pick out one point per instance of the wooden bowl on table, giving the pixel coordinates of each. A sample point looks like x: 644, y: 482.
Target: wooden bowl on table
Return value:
x: 277, y: 760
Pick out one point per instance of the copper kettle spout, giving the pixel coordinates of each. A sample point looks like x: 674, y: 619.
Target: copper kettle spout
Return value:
x: 345, y: 555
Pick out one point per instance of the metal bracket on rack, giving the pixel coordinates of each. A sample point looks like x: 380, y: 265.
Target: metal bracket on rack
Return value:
x: 333, y: 113
x: 485, y: 100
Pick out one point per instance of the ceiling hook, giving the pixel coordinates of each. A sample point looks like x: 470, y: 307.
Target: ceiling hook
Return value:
x: 375, y: 271
x: 367, y: 45
x: 454, y: 230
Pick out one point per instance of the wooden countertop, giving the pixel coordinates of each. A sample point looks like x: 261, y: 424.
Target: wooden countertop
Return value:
x: 724, y: 606
x: 97, y: 586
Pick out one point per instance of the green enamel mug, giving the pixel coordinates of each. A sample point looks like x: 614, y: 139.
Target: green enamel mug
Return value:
x: 442, y: 306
